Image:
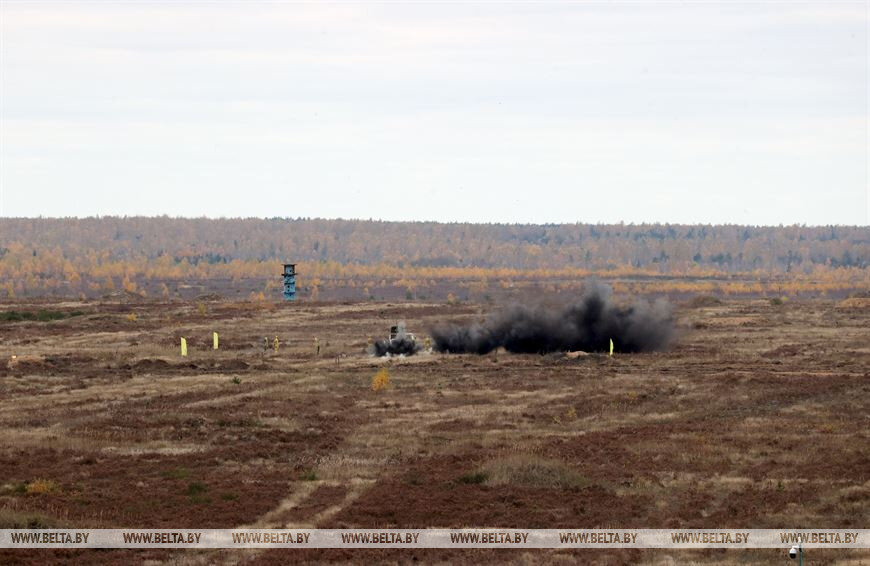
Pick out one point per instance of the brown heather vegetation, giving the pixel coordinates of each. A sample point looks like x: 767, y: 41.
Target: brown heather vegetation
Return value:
x: 354, y: 259
x: 758, y: 417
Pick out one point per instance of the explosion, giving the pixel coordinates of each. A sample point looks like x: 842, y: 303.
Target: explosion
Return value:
x: 587, y: 324
x: 402, y: 344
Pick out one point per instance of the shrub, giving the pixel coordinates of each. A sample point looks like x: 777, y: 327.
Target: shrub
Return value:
x: 532, y: 471
x: 176, y: 474
x: 39, y: 487
x: 381, y: 380
x: 473, y: 478
x: 17, y: 488
x: 195, y: 488
x: 13, y: 519
x: 196, y: 491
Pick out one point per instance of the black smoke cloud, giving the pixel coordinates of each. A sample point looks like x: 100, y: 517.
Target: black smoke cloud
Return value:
x: 587, y: 324
x: 401, y: 344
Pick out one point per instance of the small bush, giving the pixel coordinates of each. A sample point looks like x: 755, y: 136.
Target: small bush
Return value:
x: 17, y: 488
x: 196, y: 491
x: 310, y: 475
x: 176, y: 474
x: 195, y: 488
x: 474, y: 478
x: 532, y: 471
x: 39, y: 487
x: 381, y: 380
x: 12, y: 519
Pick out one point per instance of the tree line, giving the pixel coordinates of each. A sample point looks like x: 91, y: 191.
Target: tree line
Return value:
x: 69, y: 256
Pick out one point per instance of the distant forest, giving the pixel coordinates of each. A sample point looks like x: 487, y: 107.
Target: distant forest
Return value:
x: 93, y: 256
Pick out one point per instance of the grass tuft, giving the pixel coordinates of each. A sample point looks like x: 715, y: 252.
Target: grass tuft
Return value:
x: 532, y: 471
x: 17, y: 488
x: 13, y: 519
x: 196, y: 488
x: 474, y: 478
x: 196, y: 491
x: 40, y: 486
x: 176, y: 474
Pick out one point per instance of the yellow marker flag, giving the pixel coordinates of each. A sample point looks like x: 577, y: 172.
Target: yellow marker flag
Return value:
x: 183, y: 347
x: 611, y: 346
x: 214, y: 338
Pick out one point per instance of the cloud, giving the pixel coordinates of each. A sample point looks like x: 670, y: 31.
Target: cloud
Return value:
x: 568, y: 100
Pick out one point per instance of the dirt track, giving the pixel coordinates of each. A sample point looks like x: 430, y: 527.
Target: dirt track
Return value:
x: 757, y: 418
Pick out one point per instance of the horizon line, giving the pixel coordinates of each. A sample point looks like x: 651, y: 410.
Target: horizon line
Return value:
x: 444, y: 222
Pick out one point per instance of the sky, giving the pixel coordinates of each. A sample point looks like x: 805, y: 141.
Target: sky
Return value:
x: 681, y: 112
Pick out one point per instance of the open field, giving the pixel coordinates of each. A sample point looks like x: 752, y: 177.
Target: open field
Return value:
x: 758, y: 417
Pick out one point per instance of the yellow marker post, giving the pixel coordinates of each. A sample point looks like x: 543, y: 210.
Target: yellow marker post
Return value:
x: 214, y: 338
x: 611, y: 346
x: 276, y: 343
x: 183, y: 347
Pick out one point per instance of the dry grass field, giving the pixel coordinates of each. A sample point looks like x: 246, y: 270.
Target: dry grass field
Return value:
x: 758, y: 417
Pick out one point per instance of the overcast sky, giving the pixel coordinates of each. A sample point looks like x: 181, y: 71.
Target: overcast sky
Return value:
x: 749, y: 113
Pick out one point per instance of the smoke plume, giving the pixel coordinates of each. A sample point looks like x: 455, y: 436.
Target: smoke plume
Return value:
x: 587, y: 324
x: 401, y: 344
